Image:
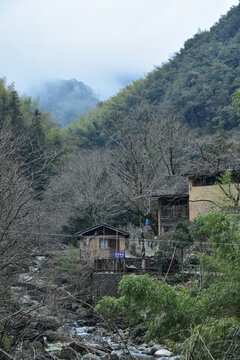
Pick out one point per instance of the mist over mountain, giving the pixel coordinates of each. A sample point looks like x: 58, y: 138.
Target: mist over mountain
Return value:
x: 65, y: 99
x: 197, y: 83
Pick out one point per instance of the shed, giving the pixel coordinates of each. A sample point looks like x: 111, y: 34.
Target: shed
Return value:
x: 102, y: 242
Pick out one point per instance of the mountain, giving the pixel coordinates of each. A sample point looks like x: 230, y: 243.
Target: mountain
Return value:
x: 197, y: 82
x: 65, y: 99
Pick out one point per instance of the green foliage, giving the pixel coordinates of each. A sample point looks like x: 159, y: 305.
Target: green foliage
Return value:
x: 6, y: 343
x: 198, y: 82
x: 159, y: 257
x: 226, y: 178
x: 236, y: 100
x: 158, y: 304
x: 38, y: 142
x: 222, y: 281
x: 181, y: 235
x: 139, y: 291
x: 110, y: 308
x: 192, y: 318
x: 219, y: 337
x: 229, y: 186
x: 140, y: 330
x: 163, y: 306
x: 219, y: 227
x: 10, y: 314
x: 68, y: 263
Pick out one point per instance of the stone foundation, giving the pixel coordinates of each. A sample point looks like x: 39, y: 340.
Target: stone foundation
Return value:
x: 105, y: 284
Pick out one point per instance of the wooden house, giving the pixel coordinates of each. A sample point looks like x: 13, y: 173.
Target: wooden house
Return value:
x: 102, y: 242
x: 185, y: 197
x: 173, y: 201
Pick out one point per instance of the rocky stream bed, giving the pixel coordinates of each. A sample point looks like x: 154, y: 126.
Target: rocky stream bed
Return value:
x: 95, y: 343
x: 59, y: 327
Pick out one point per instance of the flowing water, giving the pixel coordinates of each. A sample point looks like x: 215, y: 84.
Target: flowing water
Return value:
x: 90, y: 335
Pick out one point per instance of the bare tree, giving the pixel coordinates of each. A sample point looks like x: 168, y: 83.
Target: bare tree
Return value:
x: 136, y: 161
x: 173, y: 139
x: 149, y: 144
x: 16, y: 198
x: 18, y: 216
x: 86, y: 188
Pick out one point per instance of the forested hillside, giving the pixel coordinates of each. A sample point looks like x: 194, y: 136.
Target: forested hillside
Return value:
x: 197, y: 82
x: 65, y: 99
x: 33, y: 136
x: 140, y: 132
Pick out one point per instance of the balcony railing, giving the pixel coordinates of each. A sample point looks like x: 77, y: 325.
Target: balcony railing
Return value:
x: 135, y: 265
x: 174, y: 212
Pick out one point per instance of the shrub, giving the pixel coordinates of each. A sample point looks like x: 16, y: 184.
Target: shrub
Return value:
x: 218, y: 337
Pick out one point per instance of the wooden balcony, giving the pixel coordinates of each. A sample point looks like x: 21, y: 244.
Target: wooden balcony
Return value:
x: 174, y: 213
x: 135, y: 265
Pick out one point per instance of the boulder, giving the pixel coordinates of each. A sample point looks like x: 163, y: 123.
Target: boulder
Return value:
x: 51, y: 336
x: 105, y: 357
x: 163, y: 353
x: 68, y: 353
x: 74, y: 306
x: 45, y: 323
x: 31, y: 334
x: 37, y: 345
x: 143, y: 347
x: 84, y: 348
x: 81, y: 315
x: 61, y: 279
x: 90, y: 357
x: 114, y: 355
x: 154, y: 348
x: 116, y: 346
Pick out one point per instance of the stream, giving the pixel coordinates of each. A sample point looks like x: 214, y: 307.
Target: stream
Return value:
x: 71, y: 332
x: 109, y: 346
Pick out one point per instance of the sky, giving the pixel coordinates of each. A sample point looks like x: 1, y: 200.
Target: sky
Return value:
x: 104, y: 43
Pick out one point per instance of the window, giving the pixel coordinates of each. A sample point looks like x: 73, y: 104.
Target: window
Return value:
x: 204, y: 181
x: 103, y: 244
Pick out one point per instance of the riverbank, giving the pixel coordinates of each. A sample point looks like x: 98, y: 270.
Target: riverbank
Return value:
x: 60, y: 325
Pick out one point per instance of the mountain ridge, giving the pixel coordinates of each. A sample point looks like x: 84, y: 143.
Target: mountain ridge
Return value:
x: 198, y: 82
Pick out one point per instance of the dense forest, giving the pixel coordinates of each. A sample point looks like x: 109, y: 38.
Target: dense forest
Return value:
x: 198, y: 82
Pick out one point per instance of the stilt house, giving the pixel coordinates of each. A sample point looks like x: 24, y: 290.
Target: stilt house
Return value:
x: 173, y: 201
x: 102, y: 242
x: 185, y: 197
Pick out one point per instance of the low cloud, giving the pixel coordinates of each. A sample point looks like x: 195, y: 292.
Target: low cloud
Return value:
x: 104, y: 43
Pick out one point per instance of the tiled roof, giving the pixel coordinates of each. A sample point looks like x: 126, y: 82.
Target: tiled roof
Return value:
x: 97, y: 228
x: 174, y: 185
x: 213, y: 167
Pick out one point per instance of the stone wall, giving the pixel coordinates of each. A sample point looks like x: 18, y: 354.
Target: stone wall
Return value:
x: 105, y: 284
